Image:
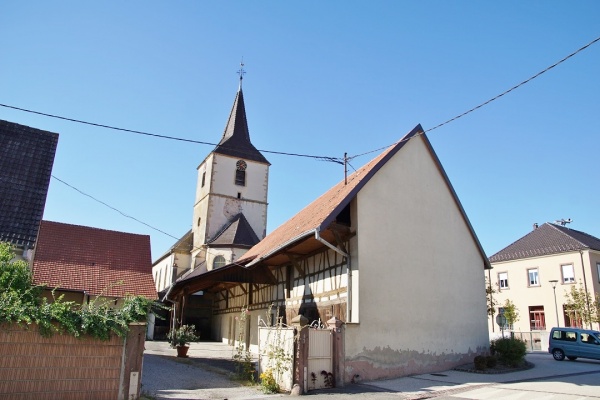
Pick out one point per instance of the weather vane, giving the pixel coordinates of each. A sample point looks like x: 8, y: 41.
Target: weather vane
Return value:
x: 241, y: 71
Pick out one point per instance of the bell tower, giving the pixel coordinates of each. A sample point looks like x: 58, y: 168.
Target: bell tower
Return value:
x: 230, y: 209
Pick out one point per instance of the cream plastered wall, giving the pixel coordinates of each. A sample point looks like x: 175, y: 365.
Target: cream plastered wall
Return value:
x: 162, y: 271
x: 421, y: 296
x: 549, y: 268
x: 217, y: 202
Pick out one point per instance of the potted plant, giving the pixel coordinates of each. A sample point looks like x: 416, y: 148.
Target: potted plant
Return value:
x: 181, y: 338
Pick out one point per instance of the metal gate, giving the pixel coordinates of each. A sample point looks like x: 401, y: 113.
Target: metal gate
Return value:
x: 320, y: 365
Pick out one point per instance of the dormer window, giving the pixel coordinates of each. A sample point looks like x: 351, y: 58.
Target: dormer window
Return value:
x: 240, y: 173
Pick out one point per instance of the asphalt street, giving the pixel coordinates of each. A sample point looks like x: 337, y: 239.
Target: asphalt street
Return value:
x: 207, y: 374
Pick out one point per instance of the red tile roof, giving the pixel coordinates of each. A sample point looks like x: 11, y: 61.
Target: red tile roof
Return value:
x: 93, y: 260
x: 321, y: 212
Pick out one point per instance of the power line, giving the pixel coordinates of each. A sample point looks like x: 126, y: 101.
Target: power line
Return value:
x: 125, y: 215
x: 113, y: 208
x: 320, y: 158
x: 490, y: 100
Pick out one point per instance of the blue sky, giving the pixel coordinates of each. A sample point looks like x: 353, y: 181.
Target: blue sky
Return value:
x: 323, y: 78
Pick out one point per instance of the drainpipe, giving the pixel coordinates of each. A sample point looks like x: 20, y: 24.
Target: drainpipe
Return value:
x: 348, y: 272
x: 587, y: 299
x: 166, y: 298
x: 491, y: 300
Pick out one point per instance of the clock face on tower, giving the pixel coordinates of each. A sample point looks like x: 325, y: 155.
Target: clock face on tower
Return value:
x: 241, y: 165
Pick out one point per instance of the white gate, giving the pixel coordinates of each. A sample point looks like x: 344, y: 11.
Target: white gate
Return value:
x: 276, y: 352
x: 320, y: 366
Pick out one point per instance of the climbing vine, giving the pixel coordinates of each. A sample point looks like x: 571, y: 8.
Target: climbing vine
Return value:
x: 21, y: 303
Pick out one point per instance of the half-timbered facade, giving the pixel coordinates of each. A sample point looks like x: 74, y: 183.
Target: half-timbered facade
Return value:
x: 383, y: 252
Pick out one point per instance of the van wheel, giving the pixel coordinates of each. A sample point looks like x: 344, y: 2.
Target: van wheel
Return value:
x: 572, y: 358
x: 558, y: 354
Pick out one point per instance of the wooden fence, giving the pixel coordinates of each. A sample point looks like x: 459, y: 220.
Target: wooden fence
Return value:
x: 65, y: 367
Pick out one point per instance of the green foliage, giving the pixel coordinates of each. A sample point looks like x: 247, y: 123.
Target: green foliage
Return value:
x: 491, y: 361
x: 511, y: 312
x: 243, y: 358
x: 582, y: 302
x: 490, y: 300
x: 21, y: 303
x: 268, y: 383
x: 182, y: 336
x: 275, y: 350
x: 510, y: 351
x: 480, y: 363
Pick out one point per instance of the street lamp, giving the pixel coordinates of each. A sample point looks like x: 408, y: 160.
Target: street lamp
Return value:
x: 554, y: 282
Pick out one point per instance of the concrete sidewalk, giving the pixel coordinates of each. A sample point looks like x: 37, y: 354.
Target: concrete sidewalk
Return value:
x: 207, y: 372
x: 449, y: 382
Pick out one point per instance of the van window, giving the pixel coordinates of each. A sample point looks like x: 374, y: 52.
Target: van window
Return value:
x: 557, y: 335
x: 587, y: 338
x: 571, y: 336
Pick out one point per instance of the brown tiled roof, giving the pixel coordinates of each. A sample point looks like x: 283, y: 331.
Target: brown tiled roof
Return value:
x: 93, y: 260
x: 236, y: 137
x: 546, y: 240
x: 321, y: 212
x: 26, y: 159
x: 237, y: 233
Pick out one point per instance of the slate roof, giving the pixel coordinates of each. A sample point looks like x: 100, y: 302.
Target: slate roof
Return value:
x: 92, y: 260
x: 236, y: 137
x: 546, y: 240
x: 184, y: 245
x: 237, y: 233
x: 26, y: 159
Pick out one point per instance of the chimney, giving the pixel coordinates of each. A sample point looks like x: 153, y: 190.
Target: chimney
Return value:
x: 535, y: 226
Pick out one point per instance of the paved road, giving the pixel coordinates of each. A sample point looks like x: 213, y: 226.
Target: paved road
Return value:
x: 206, y: 375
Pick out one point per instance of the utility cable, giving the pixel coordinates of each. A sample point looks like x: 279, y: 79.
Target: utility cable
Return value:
x: 486, y: 102
x: 113, y: 208
x: 320, y: 158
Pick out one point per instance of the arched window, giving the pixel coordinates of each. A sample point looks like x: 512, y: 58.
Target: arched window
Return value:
x: 240, y: 173
x: 218, y: 262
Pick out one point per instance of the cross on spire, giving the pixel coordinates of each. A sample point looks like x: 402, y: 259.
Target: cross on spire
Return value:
x: 241, y: 72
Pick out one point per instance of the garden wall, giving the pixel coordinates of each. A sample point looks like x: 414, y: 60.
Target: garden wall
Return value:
x: 64, y: 367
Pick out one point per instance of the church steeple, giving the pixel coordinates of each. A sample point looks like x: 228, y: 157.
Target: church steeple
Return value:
x: 236, y: 137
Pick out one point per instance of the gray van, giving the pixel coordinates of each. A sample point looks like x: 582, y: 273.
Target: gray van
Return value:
x: 573, y: 343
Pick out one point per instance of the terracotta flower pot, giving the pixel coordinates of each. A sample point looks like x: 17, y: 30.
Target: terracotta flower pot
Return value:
x: 182, y: 351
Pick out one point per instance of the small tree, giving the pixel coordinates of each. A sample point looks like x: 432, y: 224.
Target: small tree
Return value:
x: 489, y: 295
x: 583, y: 304
x: 511, y: 313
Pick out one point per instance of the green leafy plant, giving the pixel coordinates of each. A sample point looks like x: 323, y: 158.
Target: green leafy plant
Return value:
x: 277, y: 353
x: 480, y: 363
x: 509, y: 351
x: 582, y: 303
x: 491, y: 361
x: 489, y: 296
x: 242, y: 358
x: 268, y: 382
x: 511, y: 313
x: 21, y: 303
x: 182, y: 336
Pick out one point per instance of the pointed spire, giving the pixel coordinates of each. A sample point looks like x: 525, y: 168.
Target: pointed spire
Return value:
x: 241, y: 73
x: 236, y: 137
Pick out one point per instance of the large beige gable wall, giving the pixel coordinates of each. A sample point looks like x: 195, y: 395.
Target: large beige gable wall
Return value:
x: 421, y: 292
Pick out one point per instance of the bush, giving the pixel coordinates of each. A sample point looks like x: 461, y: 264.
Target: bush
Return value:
x: 510, y: 352
x: 480, y: 363
x: 491, y: 361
